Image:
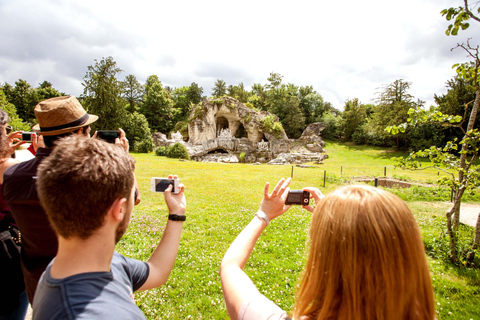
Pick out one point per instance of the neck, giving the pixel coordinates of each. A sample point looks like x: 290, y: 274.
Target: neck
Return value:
x: 77, y: 256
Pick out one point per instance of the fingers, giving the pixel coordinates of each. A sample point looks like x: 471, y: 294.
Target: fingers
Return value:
x: 277, y: 187
x: 14, y: 136
x: 94, y: 135
x: 281, y: 187
x: 265, y: 191
x: 315, y: 193
x: 122, y: 133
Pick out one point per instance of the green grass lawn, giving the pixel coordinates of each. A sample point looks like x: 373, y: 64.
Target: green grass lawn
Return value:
x: 222, y: 199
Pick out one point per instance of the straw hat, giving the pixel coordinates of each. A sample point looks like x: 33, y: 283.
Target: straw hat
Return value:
x: 61, y: 115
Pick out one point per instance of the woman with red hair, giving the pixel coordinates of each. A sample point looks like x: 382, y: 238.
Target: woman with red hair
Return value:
x: 366, y: 260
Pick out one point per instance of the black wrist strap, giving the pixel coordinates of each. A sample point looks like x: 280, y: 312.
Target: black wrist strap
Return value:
x: 177, y: 217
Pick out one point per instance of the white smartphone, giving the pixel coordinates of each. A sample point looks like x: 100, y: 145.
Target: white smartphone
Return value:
x: 161, y: 184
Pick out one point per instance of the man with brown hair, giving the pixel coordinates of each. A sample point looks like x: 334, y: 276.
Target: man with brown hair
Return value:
x: 57, y: 117
x: 87, y: 189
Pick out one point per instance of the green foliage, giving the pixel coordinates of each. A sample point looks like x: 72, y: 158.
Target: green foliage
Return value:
x: 271, y: 126
x: 182, y: 127
x: 333, y: 126
x: 461, y: 16
x: 157, y: 106
x: 102, y: 94
x: 161, y: 151
x: 198, y: 112
x: 13, y: 118
x: 238, y: 92
x: 184, y: 99
x: 241, y: 157
x: 144, y: 146
x: 217, y: 101
x: 219, y: 89
x: 132, y: 92
x: 249, y: 105
x: 136, y: 128
x: 354, y: 115
x: 178, y: 151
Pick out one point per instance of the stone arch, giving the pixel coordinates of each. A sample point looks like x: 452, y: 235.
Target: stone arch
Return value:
x: 217, y: 150
x: 221, y: 123
x: 241, y: 132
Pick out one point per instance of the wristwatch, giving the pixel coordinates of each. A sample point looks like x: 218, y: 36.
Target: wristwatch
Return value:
x: 263, y: 216
x: 177, y: 217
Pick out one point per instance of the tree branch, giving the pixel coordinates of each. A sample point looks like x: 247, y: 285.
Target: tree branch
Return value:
x: 470, y: 13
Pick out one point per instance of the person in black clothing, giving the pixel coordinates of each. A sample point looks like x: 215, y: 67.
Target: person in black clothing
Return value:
x: 57, y: 117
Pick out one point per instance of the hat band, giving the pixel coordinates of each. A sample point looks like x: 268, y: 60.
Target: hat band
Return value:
x: 75, y: 123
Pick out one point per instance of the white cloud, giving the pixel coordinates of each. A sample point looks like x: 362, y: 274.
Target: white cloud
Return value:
x: 344, y: 49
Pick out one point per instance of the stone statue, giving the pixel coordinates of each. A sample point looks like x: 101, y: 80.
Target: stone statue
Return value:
x: 177, y: 136
x: 263, y: 146
x: 225, y: 133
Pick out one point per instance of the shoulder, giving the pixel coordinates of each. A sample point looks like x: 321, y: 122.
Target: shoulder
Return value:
x: 7, y: 164
x: 89, y: 295
x: 259, y: 307
x: 130, y: 270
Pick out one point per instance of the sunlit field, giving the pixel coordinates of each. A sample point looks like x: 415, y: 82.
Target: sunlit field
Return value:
x: 222, y: 199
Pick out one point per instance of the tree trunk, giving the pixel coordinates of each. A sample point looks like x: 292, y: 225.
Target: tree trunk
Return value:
x: 476, y: 241
x: 452, y: 232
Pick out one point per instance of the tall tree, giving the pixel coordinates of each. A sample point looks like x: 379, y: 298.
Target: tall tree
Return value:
x: 102, y: 94
x: 219, y: 89
x: 22, y: 97
x: 354, y: 115
x: 194, y: 93
x: 458, y: 102
x: 157, y: 106
x: 258, y: 97
x: 132, y: 92
x: 238, y: 92
x: 394, y: 101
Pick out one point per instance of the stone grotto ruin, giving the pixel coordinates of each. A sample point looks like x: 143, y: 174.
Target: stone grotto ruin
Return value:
x: 225, y: 130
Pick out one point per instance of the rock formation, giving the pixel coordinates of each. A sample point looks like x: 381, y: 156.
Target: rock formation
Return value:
x: 221, y: 129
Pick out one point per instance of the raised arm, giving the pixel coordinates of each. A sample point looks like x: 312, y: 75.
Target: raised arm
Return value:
x: 163, y: 258
x: 236, y: 285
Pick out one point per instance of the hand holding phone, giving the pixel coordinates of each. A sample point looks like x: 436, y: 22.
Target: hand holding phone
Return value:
x: 108, y: 135
x: 161, y: 184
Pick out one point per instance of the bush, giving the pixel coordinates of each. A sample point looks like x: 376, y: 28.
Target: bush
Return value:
x: 144, y: 146
x: 178, y: 151
x: 161, y: 151
x: 241, y: 157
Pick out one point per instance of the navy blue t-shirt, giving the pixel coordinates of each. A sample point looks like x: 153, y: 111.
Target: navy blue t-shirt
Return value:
x: 93, y: 295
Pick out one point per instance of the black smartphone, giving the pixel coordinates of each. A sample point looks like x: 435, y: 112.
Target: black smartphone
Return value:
x: 108, y: 135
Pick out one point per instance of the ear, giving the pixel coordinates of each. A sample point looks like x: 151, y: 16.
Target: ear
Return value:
x: 117, y: 210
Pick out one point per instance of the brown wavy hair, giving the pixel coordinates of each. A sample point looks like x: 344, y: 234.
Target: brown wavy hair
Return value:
x: 366, y: 260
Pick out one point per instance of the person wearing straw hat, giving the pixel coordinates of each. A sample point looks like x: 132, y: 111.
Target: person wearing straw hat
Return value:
x: 57, y: 117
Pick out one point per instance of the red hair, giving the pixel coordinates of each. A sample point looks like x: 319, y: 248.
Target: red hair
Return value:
x: 366, y: 260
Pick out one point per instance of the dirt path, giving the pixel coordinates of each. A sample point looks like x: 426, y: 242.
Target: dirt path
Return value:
x: 469, y: 214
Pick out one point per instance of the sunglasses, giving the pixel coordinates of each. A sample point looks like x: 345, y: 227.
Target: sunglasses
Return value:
x: 8, y: 129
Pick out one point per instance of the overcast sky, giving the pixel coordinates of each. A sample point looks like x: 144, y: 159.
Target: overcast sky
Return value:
x: 344, y: 49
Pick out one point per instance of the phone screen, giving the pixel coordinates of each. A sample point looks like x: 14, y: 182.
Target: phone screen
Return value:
x: 108, y: 135
x: 162, y: 184
x: 27, y: 136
